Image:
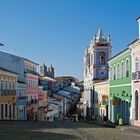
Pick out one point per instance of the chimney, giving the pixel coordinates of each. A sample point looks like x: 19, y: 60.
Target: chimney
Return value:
x: 138, y: 20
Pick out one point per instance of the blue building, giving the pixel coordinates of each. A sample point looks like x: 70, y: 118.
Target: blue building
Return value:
x: 21, y: 100
x: 96, y: 58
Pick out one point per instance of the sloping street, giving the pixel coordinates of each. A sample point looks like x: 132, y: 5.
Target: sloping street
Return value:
x: 64, y: 130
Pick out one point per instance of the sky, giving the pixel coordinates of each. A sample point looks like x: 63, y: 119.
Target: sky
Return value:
x: 57, y: 31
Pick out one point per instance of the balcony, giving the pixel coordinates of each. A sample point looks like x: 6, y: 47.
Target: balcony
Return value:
x: 136, y: 75
x: 32, y: 72
x: 33, y: 101
x: 6, y: 92
x: 22, y: 98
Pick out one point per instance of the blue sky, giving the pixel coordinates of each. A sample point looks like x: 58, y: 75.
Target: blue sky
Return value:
x: 57, y: 31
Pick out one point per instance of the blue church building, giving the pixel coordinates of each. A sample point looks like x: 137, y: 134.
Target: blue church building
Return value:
x: 96, y: 57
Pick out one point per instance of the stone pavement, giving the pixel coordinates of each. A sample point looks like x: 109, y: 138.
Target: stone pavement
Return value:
x: 64, y: 130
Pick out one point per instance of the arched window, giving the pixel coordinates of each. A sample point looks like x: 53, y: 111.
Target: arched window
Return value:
x: 88, y: 59
x: 122, y: 70
x: 127, y: 68
x: 136, y: 64
x: 102, y: 57
x: 118, y: 71
x: 114, y: 72
x: 137, y: 67
x: 136, y: 105
x: 111, y: 73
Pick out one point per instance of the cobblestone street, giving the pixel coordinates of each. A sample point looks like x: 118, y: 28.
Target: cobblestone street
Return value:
x: 64, y: 131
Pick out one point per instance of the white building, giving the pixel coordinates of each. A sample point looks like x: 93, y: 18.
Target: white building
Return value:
x: 96, y: 58
x: 55, y: 109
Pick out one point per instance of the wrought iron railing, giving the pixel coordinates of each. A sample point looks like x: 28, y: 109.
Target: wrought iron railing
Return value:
x: 136, y: 75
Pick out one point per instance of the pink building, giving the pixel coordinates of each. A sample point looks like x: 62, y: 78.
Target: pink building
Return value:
x: 135, y: 104
x: 31, y: 89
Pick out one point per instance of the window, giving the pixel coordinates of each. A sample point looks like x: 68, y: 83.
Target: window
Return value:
x: 136, y: 105
x: 6, y: 114
x: 13, y: 86
x: 127, y: 68
x: 10, y: 85
x: 2, y: 115
x: 118, y: 71
x: 111, y: 73
x: 114, y: 72
x: 1, y: 85
x: 6, y: 86
x: 122, y: 70
x: 91, y: 58
x: 102, y: 57
x: 13, y: 111
x: 137, y: 67
x: 88, y: 59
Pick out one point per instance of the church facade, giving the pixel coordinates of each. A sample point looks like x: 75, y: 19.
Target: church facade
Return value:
x: 96, y: 57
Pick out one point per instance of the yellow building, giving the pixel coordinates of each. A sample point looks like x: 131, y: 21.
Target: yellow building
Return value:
x: 101, y: 96
x: 43, y: 104
x: 8, y: 108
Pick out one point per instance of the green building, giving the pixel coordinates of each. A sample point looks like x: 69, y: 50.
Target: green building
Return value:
x: 120, y: 86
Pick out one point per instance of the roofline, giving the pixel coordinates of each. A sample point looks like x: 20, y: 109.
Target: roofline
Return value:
x: 49, y: 78
x: 20, y: 57
x: 8, y: 70
x: 118, y: 54
x: 31, y: 61
x: 133, y: 42
x: 101, y: 82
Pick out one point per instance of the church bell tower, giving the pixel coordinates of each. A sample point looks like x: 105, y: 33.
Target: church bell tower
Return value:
x: 96, y: 57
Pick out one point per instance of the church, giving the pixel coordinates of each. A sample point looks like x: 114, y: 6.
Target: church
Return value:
x: 96, y: 68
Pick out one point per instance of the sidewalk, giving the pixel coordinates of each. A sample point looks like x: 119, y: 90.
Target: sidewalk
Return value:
x: 102, y: 123
x: 128, y: 128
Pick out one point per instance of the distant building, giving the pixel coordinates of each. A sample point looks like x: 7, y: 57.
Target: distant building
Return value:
x: 26, y: 73
x: 49, y: 84
x: 65, y: 81
x: 43, y: 104
x: 47, y: 71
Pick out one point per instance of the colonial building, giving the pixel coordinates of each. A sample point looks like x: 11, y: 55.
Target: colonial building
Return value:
x: 21, y: 100
x: 135, y: 107
x: 30, y: 69
x: 101, y: 96
x: 120, y: 86
x: 49, y: 84
x: 27, y: 73
x: 8, y: 107
x: 43, y: 104
x: 96, y: 58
